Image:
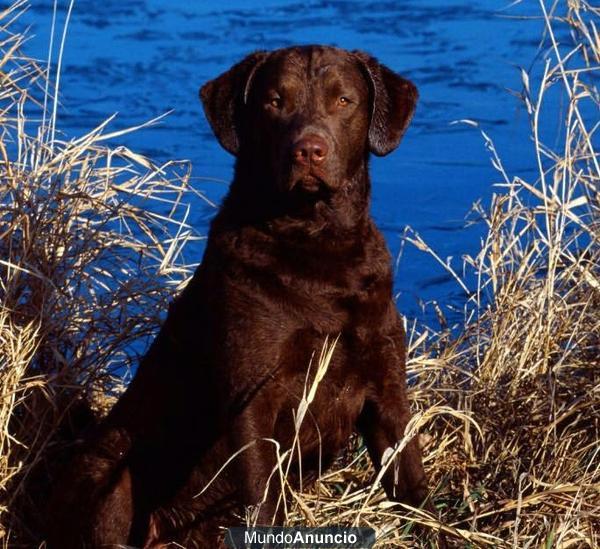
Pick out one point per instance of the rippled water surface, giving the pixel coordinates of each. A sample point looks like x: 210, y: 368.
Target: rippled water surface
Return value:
x: 141, y: 58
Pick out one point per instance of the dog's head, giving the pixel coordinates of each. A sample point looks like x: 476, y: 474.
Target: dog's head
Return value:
x: 306, y: 117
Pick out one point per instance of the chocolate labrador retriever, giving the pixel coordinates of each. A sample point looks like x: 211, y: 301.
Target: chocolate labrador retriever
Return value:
x: 292, y: 257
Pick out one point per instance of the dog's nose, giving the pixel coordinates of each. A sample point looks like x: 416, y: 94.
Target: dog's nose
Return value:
x: 310, y: 149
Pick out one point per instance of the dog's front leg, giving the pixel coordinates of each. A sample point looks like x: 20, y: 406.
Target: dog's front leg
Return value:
x: 383, y: 422
x: 256, y: 463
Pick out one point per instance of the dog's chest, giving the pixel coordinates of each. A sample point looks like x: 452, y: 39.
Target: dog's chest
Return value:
x: 327, y: 293
x: 322, y: 388
x: 323, y: 419
x: 312, y: 272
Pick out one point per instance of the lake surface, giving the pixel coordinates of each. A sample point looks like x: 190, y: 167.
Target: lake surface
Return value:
x: 141, y: 58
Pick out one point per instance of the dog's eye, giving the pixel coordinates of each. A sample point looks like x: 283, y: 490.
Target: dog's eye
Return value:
x: 344, y: 101
x: 276, y: 102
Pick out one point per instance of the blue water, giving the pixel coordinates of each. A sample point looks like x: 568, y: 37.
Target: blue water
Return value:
x: 141, y: 58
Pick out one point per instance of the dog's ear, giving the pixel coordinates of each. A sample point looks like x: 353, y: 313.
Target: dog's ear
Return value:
x: 223, y: 97
x: 393, y: 104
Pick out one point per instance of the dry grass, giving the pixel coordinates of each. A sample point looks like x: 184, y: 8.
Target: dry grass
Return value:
x: 86, y: 268
x: 509, y: 404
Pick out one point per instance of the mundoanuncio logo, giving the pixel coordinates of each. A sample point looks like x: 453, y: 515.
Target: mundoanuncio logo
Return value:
x: 292, y: 538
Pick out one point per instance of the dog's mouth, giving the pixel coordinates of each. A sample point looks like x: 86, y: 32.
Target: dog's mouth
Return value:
x: 310, y: 182
x: 306, y: 189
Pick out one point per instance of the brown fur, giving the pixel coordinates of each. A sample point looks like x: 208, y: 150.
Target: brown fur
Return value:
x: 292, y: 257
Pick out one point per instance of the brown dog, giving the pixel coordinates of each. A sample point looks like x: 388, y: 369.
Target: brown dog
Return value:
x: 292, y: 257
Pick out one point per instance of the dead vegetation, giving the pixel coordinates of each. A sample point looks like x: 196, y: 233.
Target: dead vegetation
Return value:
x: 86, y: 268
x: 508, y: 404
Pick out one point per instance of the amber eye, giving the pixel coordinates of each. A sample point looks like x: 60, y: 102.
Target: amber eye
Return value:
x: 276, y: 102
x: 344, y: 101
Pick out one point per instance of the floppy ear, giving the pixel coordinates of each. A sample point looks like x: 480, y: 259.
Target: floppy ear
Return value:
x: 223, y: 97
x: 393, y: 104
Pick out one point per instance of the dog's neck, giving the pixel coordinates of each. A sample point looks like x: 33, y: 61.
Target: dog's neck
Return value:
x: 255, y: 199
